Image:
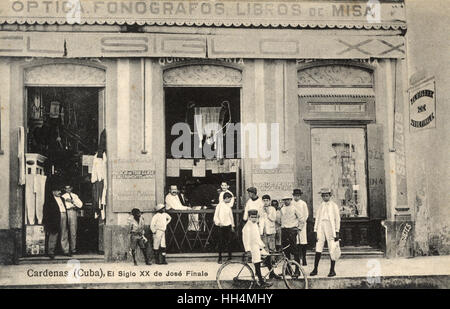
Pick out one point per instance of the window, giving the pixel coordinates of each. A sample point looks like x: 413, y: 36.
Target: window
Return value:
x: 339, y: 163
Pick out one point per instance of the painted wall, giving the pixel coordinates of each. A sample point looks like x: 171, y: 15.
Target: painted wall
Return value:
x: 428, y: 150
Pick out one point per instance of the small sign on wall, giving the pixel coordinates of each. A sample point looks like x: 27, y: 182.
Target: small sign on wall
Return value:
x: 133, y: 185
x: 422, y: 106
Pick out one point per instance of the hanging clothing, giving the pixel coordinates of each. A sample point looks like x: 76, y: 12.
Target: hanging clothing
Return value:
x: 206, y: 116
x: 30, y: 198
x: 39, y: 188
x: 99, y: 182
x: 21, y: 155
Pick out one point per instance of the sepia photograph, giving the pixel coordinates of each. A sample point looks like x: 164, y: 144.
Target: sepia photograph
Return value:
x: 248, y: 145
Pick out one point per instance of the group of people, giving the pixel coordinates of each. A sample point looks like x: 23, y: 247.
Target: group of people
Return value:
x: 271, y: 226
x: 60, y: 218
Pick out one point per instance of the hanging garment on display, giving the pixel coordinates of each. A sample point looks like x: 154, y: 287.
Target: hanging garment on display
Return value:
x: 30, y: 198
x: 39, y: 188
x: 99, y: 181
x: 204, y: 118
x: 21, y: 155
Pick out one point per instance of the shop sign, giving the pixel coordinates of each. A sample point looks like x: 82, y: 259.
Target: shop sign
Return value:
x: 171, y: 48
x: 277, y: 182
x: 422, y: 106
x: 133, y: 185
x: 186, y: 12
x: 163, y: 61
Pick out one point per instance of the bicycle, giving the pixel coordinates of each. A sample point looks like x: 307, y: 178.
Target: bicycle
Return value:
x: 240, y: 275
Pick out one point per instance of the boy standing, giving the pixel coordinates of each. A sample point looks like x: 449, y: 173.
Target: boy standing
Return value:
x: 137, y: 238
x: 303, y: 209
x: 326, y: 228
x: 267, y: 229
x: 223, y: 219
x: 253, y: 244
x: 290, y: 222
x: 253, y: 203
x: 224, y: 187
x: 158, y: 227
x: 276, y: 205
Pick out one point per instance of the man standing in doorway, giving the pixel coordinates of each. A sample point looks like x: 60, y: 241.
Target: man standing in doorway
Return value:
x: 303, y: 209
x: 73, y: 203
x: 326, y: 228
x: 54, y: 215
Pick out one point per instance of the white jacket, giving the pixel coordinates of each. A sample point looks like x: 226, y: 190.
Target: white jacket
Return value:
x: 251, y: 237
x: 303, y: 208
x: 333, y: 215
x: 267, y: 222
x: 159, y: 222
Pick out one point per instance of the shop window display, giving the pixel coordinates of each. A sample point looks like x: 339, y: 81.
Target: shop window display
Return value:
x: 339, y: 162
x: 63, y: 127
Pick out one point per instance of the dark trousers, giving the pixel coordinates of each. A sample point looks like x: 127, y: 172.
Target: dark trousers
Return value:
x: 97, y: 191
x: 224, y: 239
x: 289, y: 237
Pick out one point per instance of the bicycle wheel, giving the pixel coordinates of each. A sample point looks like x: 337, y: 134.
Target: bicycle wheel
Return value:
x: 294, y: 276
x: 235, y: 275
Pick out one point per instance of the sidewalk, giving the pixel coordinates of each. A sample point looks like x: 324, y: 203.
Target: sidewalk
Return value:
x: 355, y: 273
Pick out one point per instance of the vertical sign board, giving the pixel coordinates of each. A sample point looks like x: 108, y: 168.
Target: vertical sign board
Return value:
x: 422, y: 106
x: 133, y: 185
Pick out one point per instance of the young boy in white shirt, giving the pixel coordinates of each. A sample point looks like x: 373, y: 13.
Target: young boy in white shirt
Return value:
x: 158, y: 226
x: 224, y: 187
x: 223, y: 219
x: 253, y: 244
x: 268, y: 231
x: 326, y: 228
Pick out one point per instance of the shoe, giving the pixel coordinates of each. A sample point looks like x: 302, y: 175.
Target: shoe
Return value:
x: 296, y: 273
x: 51, y: 256
x: 148, y: 263
x: 332, y: 273
x: 67, y: 254
x: 264, y: 284
x: 314, y: 272
x: 219, y: 261
x: 273, y: 275
x: 229, y: 258
x: 135, y: 263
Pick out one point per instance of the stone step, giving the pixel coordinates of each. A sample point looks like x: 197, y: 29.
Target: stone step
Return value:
x: 347, y: 253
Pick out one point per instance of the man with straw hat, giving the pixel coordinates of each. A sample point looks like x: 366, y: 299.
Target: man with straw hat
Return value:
x: 326, y: 228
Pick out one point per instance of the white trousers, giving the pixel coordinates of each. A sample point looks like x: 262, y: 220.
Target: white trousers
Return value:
x: 30, y: 198
x: 159, y: 239
x: 39, y: 186
x: 324, y: 233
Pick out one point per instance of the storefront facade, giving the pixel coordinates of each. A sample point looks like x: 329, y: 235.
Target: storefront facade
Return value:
x: 333, y: 85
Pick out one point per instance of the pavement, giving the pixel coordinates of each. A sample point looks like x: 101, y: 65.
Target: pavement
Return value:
x: 418, y: 272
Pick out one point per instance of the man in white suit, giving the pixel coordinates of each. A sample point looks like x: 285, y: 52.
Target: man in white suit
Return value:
x: 301, y: 237
x: 326, y: 228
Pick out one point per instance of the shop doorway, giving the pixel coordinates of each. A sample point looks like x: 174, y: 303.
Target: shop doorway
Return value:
x: 200, y: 164
x: 65, y: 130
x: 339, y: 162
